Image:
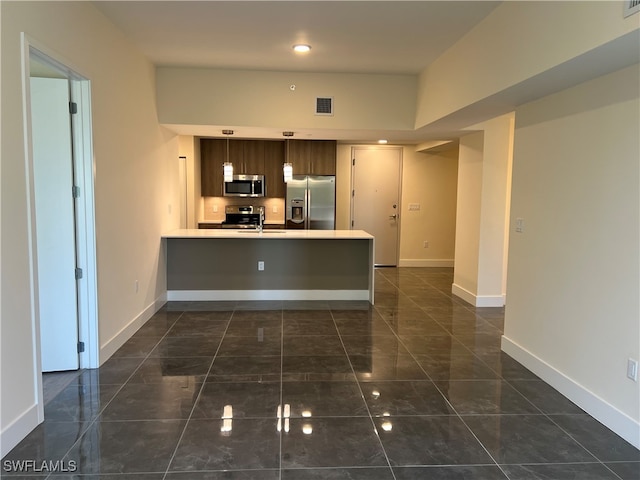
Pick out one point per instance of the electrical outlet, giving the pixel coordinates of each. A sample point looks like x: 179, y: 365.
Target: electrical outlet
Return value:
x: 260, y: 266
x: 137, y: 286
x: 519, y: 225
x: 632, y: 369
x: 274, y: 209
x: 215, y: 209
x: 425, y: 244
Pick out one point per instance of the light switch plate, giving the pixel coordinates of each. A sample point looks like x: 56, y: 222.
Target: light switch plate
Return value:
x: 414, y: 207
x: 632, y: 369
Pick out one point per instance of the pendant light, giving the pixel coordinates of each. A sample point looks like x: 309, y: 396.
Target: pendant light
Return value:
x: 287, y: 168
x: 227, y: 167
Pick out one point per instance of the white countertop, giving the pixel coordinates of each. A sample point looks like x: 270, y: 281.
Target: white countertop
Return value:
x: 269, y: 233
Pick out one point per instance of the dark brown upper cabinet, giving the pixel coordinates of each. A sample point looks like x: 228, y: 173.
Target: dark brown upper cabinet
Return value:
x: 298, y: 154
x: 247, y: 157
x: 312, y: 157
x: 252, y: 160
x: 273, y: 162
x: 323, y: 157
x: 264, y: 157
x: 213, y: 154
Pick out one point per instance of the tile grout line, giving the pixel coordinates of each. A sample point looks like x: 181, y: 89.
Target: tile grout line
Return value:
x: 601, y: 462
x: 542, y: 413
x: 281, y: 404
x: 375, y: 429
x: 413, y: 282
x: 195, y: 403
x: 502, y: 378
x: 119, y: 389
x: 440, y: 391
x: 549, y: 417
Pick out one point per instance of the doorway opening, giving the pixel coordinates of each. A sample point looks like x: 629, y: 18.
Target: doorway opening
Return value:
x: 71, y: 217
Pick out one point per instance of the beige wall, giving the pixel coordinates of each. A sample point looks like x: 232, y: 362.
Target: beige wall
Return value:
x: 467, y: 242
x: 430, y: 180
x: 427, y: 179
x: 136, y: 169
x: 572, y: 313
x: 515, y: 42
x: 189, y: 147
x: 198, y: 96
x: 343, y: 187
x: 484, y: 186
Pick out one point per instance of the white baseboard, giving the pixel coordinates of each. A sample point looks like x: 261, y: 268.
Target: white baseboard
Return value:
x: 605, y: 413
x: 18, y: 430
x: 241, y: 295
x: 478, y: 300
x: 120, y: 338
x: 425, y: 262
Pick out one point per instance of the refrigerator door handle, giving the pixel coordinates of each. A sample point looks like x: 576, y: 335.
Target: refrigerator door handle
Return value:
x: 307, y: 208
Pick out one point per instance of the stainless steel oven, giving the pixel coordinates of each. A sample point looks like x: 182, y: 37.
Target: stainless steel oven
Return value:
x: 243, y: 216
x: 245, y: 186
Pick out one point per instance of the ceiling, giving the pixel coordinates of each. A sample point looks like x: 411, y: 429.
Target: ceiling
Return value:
x: 378, y: 37
x: 392, y: 37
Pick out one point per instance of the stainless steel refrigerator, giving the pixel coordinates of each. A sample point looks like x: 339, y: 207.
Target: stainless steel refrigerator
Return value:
x: 311, y: 202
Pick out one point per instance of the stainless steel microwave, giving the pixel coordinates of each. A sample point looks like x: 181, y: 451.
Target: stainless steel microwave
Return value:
x: 245, y: 186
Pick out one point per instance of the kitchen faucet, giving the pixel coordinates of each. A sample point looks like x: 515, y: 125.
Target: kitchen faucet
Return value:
x: 261, y: 222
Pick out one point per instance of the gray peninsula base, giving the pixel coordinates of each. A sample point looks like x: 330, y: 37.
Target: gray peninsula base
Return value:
x: 294, y: 269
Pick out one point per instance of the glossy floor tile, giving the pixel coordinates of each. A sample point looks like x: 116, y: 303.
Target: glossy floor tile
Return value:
x: 415, y: 387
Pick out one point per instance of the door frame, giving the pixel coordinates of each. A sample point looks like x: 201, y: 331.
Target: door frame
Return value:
x: 400, y: 150
x: 84, y: 168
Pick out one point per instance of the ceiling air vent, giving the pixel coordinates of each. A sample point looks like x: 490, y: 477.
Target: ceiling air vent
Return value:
x: 631, y: 7
x: 324, y: 105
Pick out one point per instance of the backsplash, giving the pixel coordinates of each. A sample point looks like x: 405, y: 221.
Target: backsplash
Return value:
x: 218, y: 203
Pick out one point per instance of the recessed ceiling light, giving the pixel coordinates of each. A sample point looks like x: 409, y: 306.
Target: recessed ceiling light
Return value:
x: 301, y: 48
x: 382, y: 142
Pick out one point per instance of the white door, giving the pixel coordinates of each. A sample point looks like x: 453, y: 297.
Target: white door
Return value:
x: 55, y: 223
x: 376, y: 196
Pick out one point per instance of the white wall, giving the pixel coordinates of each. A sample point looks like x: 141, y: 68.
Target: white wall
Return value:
x: 572, y: 314
x: 136, y: 170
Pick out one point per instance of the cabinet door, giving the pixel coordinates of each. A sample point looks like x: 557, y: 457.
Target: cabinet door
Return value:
x: 273, y: 161
x: 299, y: 153
x: 212, y: 156
x: 323, y: 157
x: 253, y: 157
x: 236, y: 156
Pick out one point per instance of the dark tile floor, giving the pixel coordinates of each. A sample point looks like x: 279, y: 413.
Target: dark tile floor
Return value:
x: 413, y: 388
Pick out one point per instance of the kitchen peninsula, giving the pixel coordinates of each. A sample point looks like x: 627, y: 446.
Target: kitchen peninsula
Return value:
x: 296, y: 265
